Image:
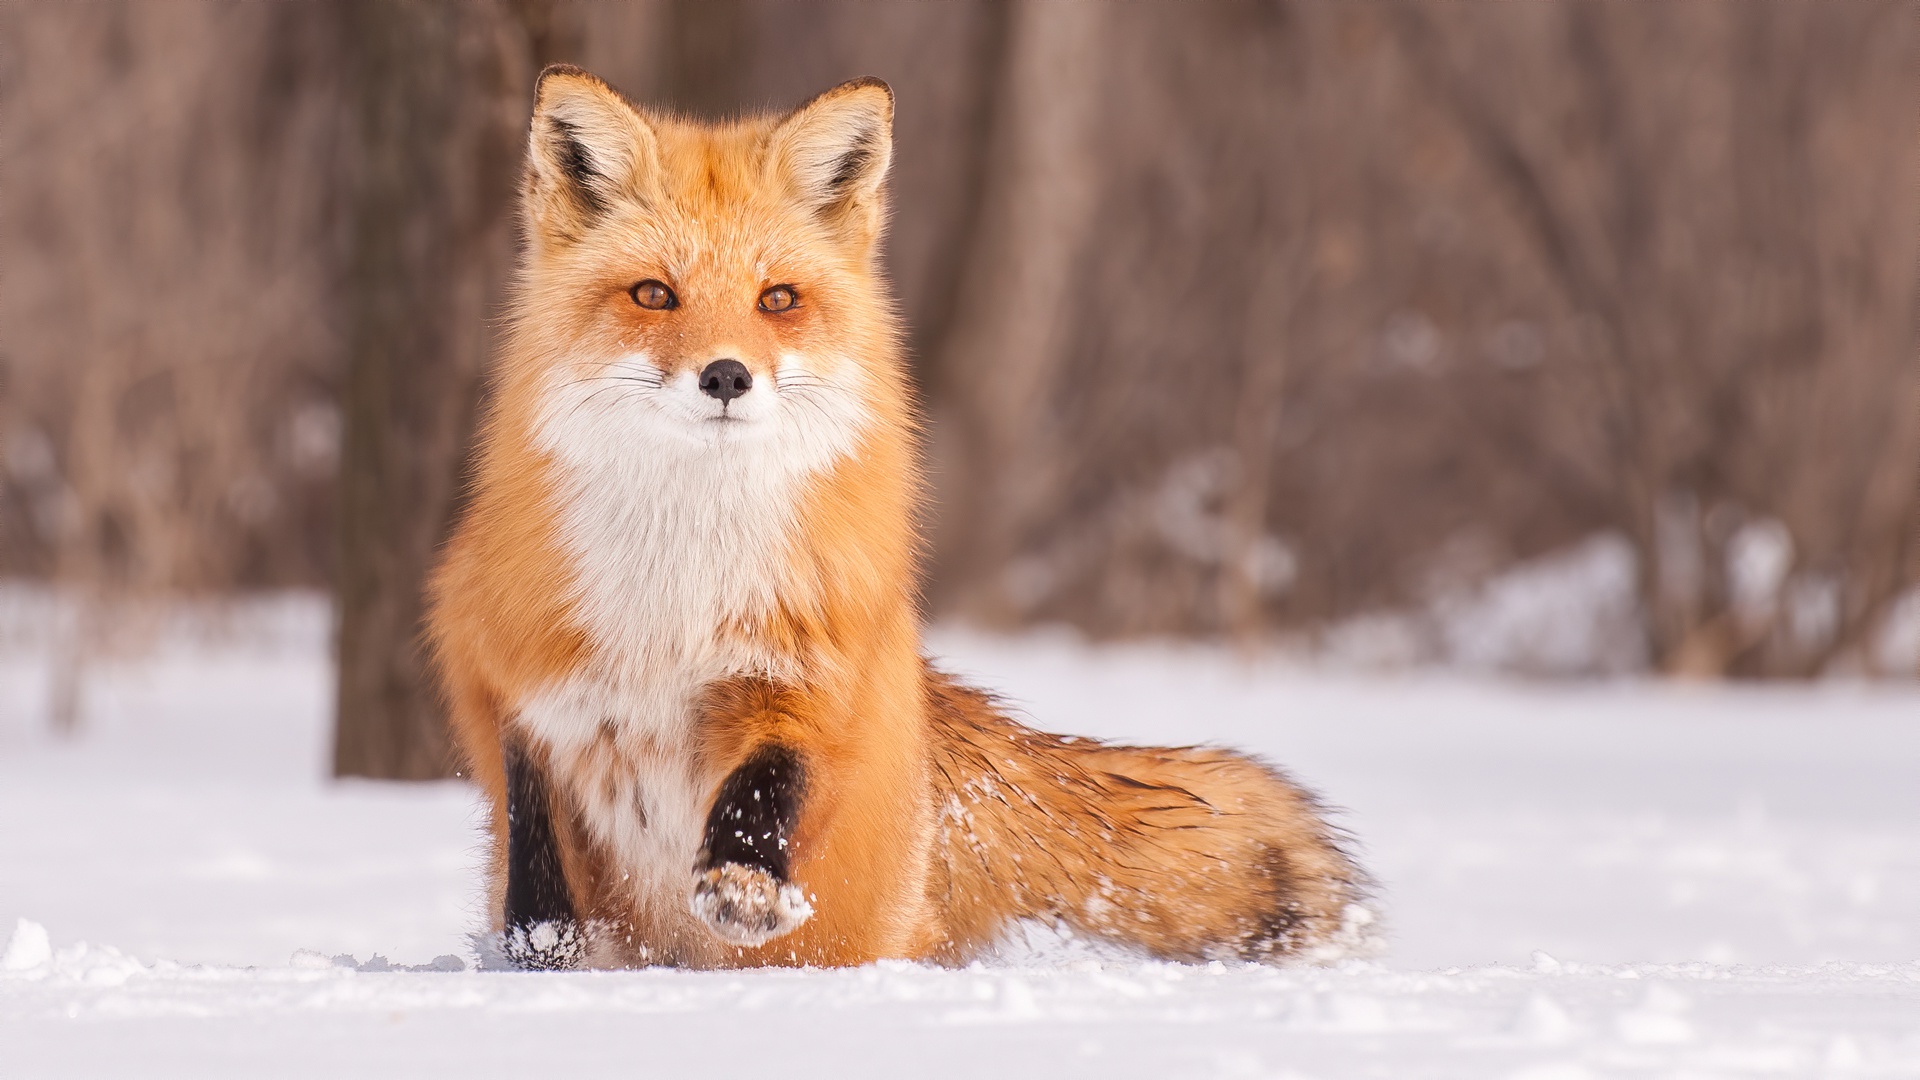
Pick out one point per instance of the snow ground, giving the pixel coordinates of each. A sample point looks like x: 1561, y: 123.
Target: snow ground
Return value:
x: 1615, y: 880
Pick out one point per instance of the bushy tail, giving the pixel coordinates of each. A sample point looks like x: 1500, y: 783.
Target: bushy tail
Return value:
x: 1192, y: 853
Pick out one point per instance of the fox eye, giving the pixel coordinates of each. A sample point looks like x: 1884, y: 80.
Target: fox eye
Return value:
x: 778, y: 298
x: 653, y: 296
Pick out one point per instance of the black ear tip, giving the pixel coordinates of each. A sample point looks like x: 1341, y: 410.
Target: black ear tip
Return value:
x: 565, y: 71
x: 869, y: 81
x: 551, y: 70
x: 848, y: 89
x: 857, y: 85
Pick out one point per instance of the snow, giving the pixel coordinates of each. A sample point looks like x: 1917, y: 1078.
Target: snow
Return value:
x: 1619, y: 879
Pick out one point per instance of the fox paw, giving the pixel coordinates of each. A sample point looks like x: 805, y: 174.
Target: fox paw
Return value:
x: 745, y: 905
x: 545, y: 946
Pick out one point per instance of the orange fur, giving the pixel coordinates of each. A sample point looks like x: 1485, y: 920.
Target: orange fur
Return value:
x: 930, y: 820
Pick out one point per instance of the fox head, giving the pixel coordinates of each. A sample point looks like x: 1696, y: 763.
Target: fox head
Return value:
x: 706, y: 287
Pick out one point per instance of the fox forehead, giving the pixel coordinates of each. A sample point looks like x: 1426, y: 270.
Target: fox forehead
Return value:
x: 720, y: 209
x: 708, y: 246
x: 710, y: 166
x: 731, y: 246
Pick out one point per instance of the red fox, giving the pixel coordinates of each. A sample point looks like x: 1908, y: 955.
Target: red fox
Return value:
x: 677, y: 624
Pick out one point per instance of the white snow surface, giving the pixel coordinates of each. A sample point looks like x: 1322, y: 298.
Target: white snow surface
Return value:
x: 1577, y: 881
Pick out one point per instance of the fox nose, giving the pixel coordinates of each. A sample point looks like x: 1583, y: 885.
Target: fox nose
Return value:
x: 726, y: 379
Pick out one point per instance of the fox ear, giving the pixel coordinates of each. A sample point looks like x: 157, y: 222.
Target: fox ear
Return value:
x: 834, y: 151
x: 587, y: 150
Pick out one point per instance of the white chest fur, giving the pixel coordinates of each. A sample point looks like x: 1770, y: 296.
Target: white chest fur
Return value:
x: 678, y: 526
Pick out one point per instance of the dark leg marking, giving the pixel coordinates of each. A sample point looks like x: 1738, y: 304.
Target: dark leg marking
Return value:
x: 740, y: 885
x: 752, y: 820
x: 542, y: 930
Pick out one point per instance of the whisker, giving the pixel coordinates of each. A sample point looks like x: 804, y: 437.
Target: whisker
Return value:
x: 648, y: 380
x: 627, y: 390
x: 616, y: 386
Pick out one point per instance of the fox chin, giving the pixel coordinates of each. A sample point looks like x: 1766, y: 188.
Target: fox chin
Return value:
x: 676, y: 625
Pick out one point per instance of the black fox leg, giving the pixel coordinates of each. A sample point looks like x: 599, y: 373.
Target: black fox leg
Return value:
x: 753, y: 817
x: 542, y: 931
x: 741, y: 888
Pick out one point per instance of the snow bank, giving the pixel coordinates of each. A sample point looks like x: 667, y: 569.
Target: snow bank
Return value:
x: 1597, y: 881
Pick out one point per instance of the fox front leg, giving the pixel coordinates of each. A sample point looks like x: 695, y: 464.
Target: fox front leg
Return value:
x: 542, y: 932
x: 740, y: 884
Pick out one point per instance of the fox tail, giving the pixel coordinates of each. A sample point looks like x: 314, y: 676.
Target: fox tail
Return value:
x: 1189, y: 853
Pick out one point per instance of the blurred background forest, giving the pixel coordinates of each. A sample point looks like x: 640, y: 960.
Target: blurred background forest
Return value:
x: 1566, y: 336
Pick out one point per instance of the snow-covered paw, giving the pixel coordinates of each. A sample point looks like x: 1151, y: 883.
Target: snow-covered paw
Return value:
x: 745, y: 905
x: 545, y: 946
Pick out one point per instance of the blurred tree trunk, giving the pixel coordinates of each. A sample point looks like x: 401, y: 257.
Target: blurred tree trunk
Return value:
x: 707, y: 55
x: 1012, y: 313
x: 441, y: 100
